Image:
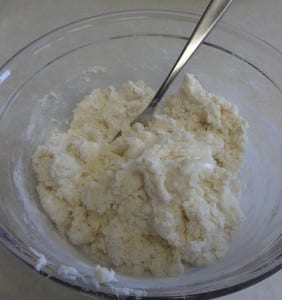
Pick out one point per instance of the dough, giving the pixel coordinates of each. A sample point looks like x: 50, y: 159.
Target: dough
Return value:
x: 157, y: 198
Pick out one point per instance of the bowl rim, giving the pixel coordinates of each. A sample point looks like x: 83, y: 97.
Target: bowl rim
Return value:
x: 7, y: 241
x: 136, y: 12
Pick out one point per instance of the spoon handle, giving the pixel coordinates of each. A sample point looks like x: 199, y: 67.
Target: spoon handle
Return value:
x: 212, y: 14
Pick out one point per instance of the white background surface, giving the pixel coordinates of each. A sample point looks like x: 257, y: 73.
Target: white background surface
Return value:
x: 21, y: 21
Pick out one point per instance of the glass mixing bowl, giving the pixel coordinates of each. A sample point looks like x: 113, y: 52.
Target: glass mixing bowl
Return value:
x: 39, y: 88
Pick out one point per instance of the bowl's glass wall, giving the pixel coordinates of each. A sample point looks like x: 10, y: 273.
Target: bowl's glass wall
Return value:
x: 40, y: 87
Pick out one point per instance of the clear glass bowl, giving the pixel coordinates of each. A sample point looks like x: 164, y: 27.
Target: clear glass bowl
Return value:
x: 40, y: 86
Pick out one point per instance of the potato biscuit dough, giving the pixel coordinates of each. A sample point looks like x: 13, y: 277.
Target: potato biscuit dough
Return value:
x: 158, y: 197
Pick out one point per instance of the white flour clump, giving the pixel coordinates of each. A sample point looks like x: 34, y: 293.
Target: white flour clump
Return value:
x: 158, y: 197
x: 103, y: 275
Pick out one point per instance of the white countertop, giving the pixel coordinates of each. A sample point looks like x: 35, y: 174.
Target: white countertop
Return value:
x: 21, y: 21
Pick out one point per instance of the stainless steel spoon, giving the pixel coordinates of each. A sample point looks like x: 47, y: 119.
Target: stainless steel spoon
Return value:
x: 211, y: 15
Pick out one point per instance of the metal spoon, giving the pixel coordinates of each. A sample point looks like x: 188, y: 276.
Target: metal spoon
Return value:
x: 211, y: 15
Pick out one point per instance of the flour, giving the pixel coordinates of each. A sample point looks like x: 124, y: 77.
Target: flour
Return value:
x: 68, y: 272
x: 158, y: 197
x: 103, y: 275
x: 41, y: 259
